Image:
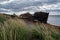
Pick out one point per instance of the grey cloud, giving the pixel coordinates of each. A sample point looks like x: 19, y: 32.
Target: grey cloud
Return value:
x: 18, y: 6
x: 53, y: 1
x: 3, y: 0
x: 1, y: 10
x: 53, y: 10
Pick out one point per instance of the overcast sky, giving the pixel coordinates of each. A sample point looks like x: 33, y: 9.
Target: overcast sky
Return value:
x: 17, y: 6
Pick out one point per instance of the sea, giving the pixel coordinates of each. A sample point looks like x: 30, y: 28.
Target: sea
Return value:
x: 54, y: 20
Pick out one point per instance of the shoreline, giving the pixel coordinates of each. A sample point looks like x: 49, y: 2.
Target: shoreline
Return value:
x: 58, y: 27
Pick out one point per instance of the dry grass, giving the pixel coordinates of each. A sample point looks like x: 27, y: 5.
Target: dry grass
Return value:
x: 17, y: 29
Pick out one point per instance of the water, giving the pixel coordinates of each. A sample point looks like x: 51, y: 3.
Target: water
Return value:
x: 54, y: 20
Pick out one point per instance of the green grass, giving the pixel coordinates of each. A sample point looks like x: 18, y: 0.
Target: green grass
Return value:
x: 2, y: 18
x: 17, y: 29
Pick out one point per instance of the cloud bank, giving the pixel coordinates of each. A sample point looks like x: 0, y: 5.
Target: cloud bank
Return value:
x: 29, y: 5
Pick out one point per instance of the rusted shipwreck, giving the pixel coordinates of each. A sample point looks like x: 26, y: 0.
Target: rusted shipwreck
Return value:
x: 36, y: 17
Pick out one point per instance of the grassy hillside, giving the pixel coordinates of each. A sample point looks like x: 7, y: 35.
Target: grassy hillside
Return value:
x: 17, y: 29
